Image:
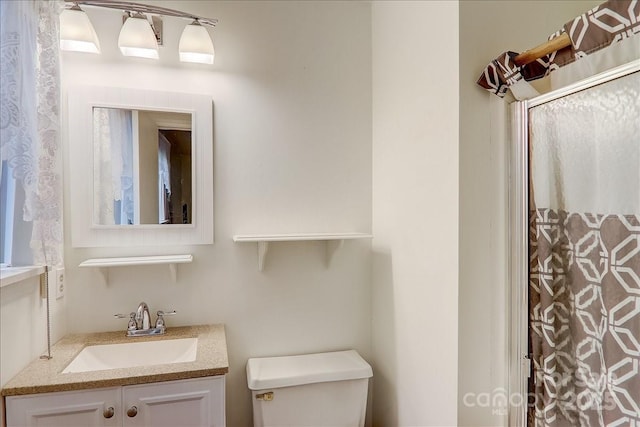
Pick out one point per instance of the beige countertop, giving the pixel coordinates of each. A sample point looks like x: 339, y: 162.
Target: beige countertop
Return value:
x: 43, y: 376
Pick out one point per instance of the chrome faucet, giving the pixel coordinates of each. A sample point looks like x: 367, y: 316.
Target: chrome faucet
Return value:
x: 143, y: 318
x: 140, y: 321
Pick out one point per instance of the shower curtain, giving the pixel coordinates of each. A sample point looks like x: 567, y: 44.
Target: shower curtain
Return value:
x: 584, y: 288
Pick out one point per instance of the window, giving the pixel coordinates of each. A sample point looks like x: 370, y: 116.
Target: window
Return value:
x: 13, y: 251
x: 7, y: 201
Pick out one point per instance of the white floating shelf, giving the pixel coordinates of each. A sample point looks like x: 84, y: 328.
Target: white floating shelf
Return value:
x: 171, y: 260
x: 333, y: 241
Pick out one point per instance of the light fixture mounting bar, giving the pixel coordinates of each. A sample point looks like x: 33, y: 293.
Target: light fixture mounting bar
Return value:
x: 126, y: 6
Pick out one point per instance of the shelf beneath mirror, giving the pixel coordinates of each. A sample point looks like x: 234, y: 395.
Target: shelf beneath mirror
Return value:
x: 333, y: 241
x: 172, y: 260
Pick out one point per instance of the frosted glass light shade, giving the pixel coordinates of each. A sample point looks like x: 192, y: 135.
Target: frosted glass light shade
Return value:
x: 137, y: 38
x: 77, y: 33
x: 196, y: 45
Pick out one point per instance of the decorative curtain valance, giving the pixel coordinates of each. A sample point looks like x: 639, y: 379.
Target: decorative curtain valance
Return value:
x: 596, y: 29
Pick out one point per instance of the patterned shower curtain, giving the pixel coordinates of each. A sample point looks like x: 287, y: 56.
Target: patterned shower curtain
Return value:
x: 584, y: 290
x: 606, y: 25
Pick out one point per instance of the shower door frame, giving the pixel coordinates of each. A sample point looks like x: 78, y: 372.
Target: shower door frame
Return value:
x: 519, y: 365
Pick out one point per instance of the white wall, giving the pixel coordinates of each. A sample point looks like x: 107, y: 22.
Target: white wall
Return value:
x: 23, y: 325
x: 291, y: 89
x: 415, y: 213
x: 487, y: 29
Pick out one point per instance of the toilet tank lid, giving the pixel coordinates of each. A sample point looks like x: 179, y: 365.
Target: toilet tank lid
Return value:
x: 288, y: 371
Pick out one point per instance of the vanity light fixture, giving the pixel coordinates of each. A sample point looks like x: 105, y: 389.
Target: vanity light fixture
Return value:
x: 139, y: 36
x: 196, y: 45
x: 76, y: 31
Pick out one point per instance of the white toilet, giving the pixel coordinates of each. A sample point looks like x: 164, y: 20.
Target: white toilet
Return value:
x: 322, y: 389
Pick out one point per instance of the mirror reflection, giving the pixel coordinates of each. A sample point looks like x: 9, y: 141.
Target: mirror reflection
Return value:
x: 142, y: 167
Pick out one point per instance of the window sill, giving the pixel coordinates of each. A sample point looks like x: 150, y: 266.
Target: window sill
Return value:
x: 11, y: 275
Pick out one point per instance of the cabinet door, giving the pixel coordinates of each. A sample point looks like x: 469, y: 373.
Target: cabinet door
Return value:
x: 97, y: 407
x: 196, y: 402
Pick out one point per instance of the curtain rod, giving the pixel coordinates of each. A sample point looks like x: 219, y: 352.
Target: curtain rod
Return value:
x: 539, y: 51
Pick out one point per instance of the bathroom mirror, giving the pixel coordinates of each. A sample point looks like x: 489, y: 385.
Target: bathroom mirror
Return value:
x: 142, y: 170
x: 141, y: 167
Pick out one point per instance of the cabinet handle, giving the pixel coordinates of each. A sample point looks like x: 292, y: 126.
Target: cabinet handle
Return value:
x: 132, y: 412
x: 109, y: 412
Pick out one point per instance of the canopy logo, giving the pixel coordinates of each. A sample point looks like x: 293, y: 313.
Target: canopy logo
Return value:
x: 499, y: 400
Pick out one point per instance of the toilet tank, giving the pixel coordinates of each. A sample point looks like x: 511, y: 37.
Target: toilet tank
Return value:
x: 321, y: 389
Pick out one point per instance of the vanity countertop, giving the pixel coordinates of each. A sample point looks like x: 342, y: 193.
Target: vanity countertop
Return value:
x: 44, y: 376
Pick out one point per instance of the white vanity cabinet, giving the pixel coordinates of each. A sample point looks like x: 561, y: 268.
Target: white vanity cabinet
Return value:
x: 197, y: 402
x: 193, y: 402
x: 69, y: 408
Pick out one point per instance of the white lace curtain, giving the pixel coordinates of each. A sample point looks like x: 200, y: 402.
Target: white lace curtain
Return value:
x: 29, y: 116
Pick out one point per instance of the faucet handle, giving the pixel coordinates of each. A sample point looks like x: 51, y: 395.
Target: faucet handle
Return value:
x: 132, y: 325
x: 166, y: 313
x: 124, y: 316
x: 160, y: 318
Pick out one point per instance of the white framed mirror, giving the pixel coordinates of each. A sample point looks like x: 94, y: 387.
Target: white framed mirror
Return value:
x: 141, y: 167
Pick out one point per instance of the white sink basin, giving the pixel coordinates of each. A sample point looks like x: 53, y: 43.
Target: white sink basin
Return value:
x: 132, y: 354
